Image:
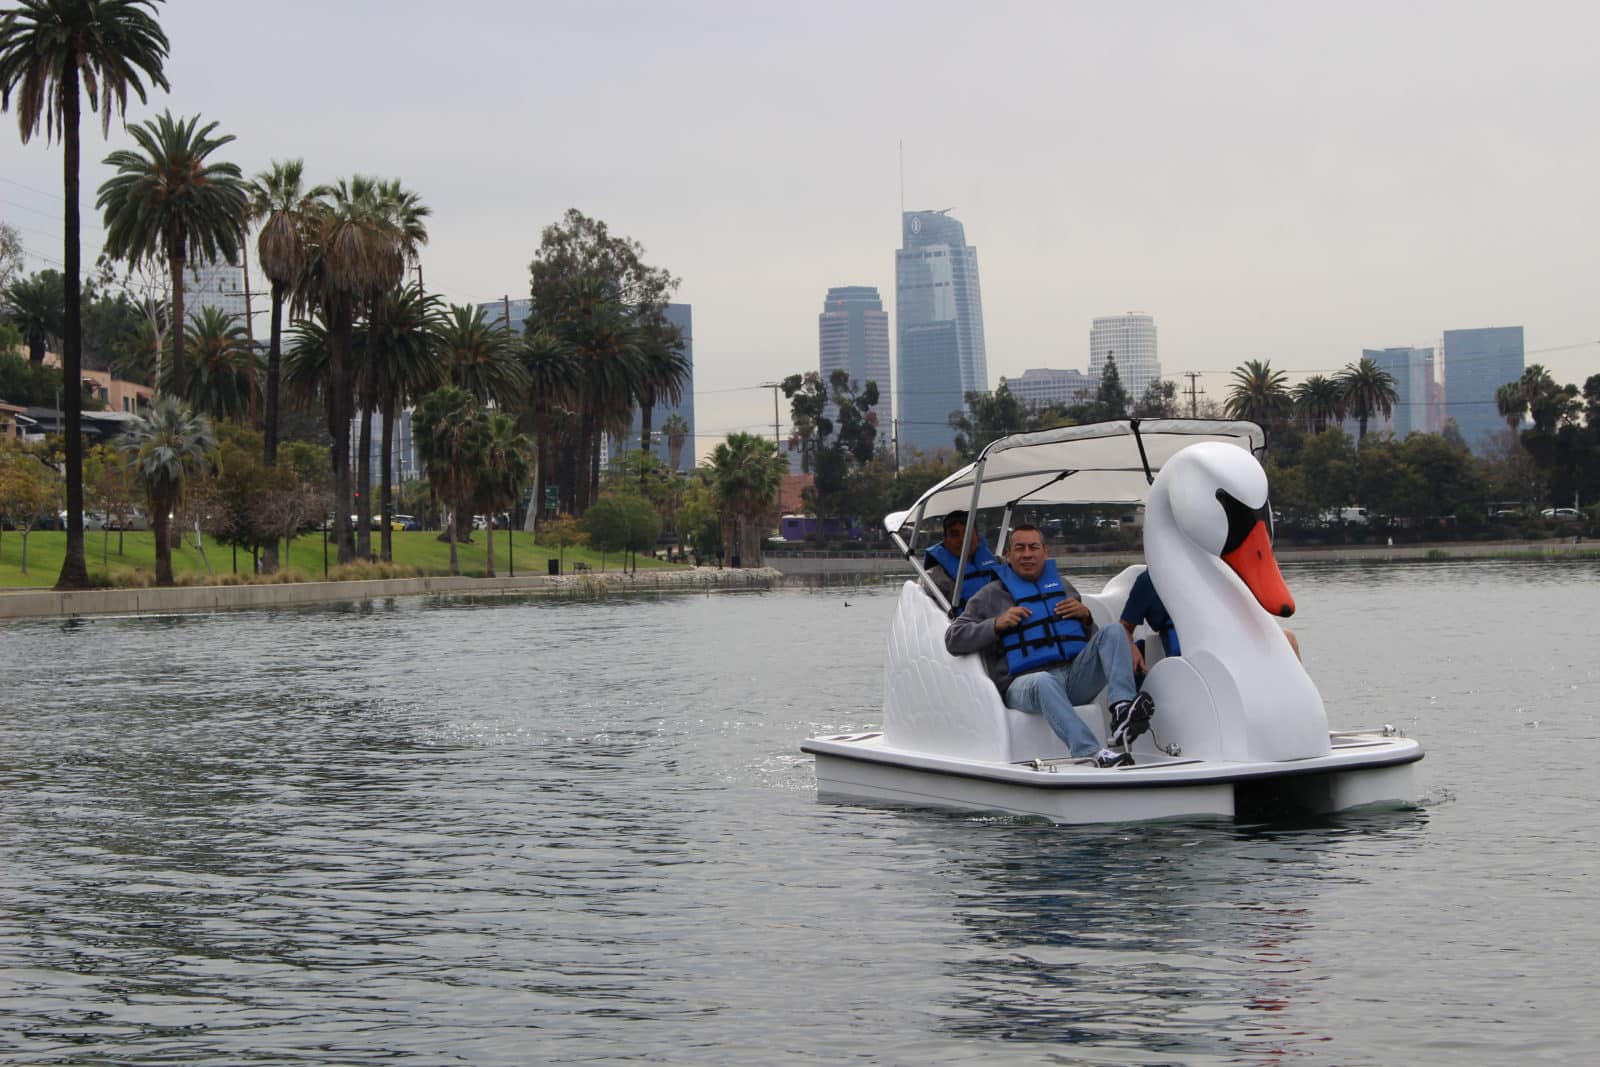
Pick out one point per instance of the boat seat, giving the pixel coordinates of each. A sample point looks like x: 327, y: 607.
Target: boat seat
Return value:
x: 946, y: 705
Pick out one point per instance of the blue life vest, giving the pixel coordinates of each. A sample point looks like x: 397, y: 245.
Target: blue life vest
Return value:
x: 1042, y: 640
x: 982, y: 567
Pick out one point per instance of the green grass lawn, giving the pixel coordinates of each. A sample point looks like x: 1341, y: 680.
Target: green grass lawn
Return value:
x: 421, y: 549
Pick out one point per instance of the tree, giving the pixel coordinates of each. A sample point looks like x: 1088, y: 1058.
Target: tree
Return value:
x: 560, y: 533
x: 1160, y: 401
x: 10, y: 254
x: 27, y: 492
x: 989, y: 417
x: 677, y: 434
x: 747, y: 473
x: 1112, y: 398
x: 1328, y: 464
x: 223, y: 381
x: 506, y: 465
x: 1258, y: 394
x: 663, y: 370
x: 406, y: 360
x: 451, y: 434
x: 241, y: 482
x: 110, y: 486
x: 622, y: 523
x: 46, y: 46
x: 170, y: 199
x: 282, y: 205
x: 594, y: 292
x: 37, y: 307
x: 405, y: 215
x: 554, y: 385
x: 480, y: 357
x: 1318, y: 403
x: 601, y: 332
x: 167, y: 447
x: 1366, y: 390
x: 355, y: 252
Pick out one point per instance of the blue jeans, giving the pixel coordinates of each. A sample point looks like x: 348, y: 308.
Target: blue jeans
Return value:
x: 1106, y: 661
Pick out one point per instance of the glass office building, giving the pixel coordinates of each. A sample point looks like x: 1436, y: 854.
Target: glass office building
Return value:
x: 853, y: 336
x: 939, y: 316
x: 1476, y: 363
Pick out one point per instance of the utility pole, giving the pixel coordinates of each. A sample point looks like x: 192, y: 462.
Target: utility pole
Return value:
x: 895, y: 425
x: 1194, y: 393
x: 507, y: 301
x: 774, y: 386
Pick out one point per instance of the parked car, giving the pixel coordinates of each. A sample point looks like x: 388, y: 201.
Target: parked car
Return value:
x: 404, y: 522
x: 1559, y: 514
x: 134, y: 520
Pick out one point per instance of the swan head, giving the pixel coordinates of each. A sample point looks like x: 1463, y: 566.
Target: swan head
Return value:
x: 1218, y: 497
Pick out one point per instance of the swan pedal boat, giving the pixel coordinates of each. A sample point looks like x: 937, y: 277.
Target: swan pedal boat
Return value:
x: 1239, y: 727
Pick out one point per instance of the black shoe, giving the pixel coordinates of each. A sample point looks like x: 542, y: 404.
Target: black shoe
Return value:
x: 1107, y: 758
x: 1129, y: 719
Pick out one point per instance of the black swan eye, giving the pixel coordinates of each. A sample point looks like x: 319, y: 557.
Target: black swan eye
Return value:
x: 1241, y: 519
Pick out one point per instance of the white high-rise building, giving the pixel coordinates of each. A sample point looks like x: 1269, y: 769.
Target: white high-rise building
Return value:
x: 1131, y: 341
x: 214, y: 284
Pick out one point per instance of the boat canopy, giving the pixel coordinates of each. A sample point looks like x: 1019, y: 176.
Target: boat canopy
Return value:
x: 1103, y: 463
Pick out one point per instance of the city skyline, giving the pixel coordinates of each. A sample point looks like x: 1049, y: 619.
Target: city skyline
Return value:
x: 1347, y: 206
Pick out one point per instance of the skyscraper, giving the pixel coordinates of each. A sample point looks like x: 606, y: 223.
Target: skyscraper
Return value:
x: 853, y: 336
x: 1131, y: 341
x: 939, y: 316
x: 1414, y: 388
x: 1476, y: 363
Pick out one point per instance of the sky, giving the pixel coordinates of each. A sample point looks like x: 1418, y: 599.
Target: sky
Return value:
x: 1291, y: 182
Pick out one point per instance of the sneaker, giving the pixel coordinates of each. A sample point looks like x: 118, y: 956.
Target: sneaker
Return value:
x: 1129, y: 719
x: 1107, y: 758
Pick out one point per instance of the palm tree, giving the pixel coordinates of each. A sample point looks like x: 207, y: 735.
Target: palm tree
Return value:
x: 747, y: 473
x: 663, y: 372
x: 37, y: 307
x: 405, y: 361
x: 282, y: 205
x: 506, y: 465
x: 677, y: 433
x: 353, y: 253
x: 46, y: 46
x: 603, y: 335
x: 551, y: 398
x: 1318, y: 402
x: 1259, y: 394
x: 1367, y: 390
x: 480, y: 356
x: 170, y: 200
x: 451, y: 431
x: 166, y: 447
x: 222, y: 382
x: 1512, y: 404
x: 405, y: 214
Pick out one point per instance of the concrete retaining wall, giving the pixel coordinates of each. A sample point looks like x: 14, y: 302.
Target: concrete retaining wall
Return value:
x: 189, y: 599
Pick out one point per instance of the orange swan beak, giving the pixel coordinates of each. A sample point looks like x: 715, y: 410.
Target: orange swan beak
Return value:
x: 1255, y: 565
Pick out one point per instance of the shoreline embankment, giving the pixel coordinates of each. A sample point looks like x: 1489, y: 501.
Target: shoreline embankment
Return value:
x: 820, y: 564
x: 190, y: 599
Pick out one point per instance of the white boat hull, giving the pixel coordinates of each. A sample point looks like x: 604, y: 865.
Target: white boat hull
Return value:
x: 1361, y: 770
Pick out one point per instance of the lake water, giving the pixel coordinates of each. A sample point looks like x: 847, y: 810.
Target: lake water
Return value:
x: 520, y: 832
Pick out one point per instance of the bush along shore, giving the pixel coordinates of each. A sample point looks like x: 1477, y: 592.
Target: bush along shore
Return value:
x: 588, y: 586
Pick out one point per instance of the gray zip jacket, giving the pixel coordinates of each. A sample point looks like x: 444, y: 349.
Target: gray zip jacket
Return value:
x: 973, y: 630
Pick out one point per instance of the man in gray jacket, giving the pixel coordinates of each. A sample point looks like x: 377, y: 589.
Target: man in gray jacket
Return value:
x: 1061, y: 657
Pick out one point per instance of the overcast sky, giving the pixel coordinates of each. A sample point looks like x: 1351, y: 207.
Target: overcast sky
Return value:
x: 1281, y: 181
